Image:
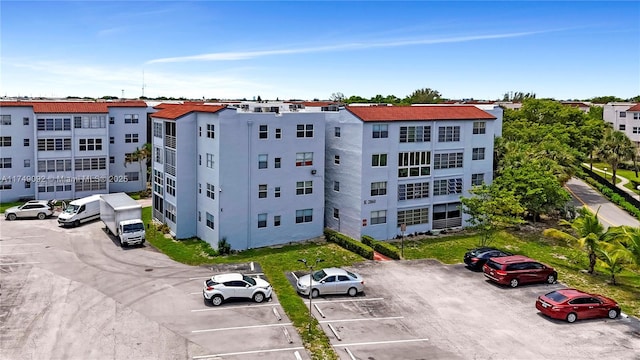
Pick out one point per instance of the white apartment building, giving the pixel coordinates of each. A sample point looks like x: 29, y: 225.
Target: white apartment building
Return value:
x: 625, y: 117
x: 67, y: 150
x: 266, y: 174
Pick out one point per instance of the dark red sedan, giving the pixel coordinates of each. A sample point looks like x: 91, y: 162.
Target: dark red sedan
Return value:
x: 572, y: 304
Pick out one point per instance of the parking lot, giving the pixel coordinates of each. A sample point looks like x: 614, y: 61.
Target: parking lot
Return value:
x: 75, y: 294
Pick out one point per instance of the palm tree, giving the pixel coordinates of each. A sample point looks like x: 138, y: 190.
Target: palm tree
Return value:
x: 629, y: 238
x: 590, y: 234
x: 613, y: 258
x: 140, y: 156
x: 614, y: 149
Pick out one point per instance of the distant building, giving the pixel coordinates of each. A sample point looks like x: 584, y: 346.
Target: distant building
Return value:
x: 625, y: 117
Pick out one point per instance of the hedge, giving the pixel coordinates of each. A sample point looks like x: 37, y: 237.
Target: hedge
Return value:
x: 615, y: 198
x: 382, y: 247
x: 348, y: 243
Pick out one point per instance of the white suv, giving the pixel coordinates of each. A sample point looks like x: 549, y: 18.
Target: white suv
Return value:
x: 31, y: 209
x: 234, y: 285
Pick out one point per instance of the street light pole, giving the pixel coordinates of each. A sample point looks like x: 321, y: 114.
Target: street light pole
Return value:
x: 310, y: 266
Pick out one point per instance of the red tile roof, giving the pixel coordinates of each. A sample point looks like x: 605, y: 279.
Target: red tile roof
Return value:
x: 401, y: 113
x: 173, y: 112
x: 71, y: 107
x: 635, y: 107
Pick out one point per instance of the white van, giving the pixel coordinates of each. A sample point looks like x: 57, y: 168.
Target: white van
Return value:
x: 80, y: 211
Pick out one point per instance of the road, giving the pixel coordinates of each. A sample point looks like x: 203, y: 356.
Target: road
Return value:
x: 608, y: 213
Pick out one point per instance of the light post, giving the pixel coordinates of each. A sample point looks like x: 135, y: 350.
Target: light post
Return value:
x: 605, y: 173
x: 310, y: 266
x: 403, y: 228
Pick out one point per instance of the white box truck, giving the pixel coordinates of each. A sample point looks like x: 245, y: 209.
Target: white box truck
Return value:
x: 80, y: 211
x: 122, y: 217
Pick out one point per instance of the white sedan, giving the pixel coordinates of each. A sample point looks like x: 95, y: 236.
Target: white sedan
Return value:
x: 331, y: 281
x: 234, y: 285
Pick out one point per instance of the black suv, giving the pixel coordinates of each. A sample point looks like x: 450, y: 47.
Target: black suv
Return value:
x: 476, y: 258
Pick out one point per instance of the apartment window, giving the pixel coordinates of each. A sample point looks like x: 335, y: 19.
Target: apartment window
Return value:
x: 379, y: 160
x: 132, y: 176
x: 622, y: 127
x: 158, y: 182
x: 89, y: 164
x: 158, y: 155
x: 27, y: 185
x: 171, y: 186
x: 447, y: 186
x: 210, y: 221
x: 415, y: 163
x: 623, y: 114
x: 27, y: 163
x: 336, y: 159
x: 90, y: 144
x: 52, y: 144
x: 130, y: 138
x: 57, y: 124
x: 211, y: 193
x: 131, y: 118
x: 411, y: 191
x: 304, y: 216
x: 85, y: 185
x: 304, y: 130
x: 170, y: 213
x: 262, y: 220
x: 636, y: 130
x: 336, y: 213
x: 112, y: 159
x: 211, y: 133
x: 304, y: 159
x: 379, y: 217
x: 26, y: 142
x: 304, y: 187
x: 6, y: 140
x: 263, y: 161
x: 199, y: 216
x: 263, y: 132
x: 409, y: 134
x: 276, y: 220
x: 87, y: 122
x: 336, y: 186
x: 276, y: 191
x: 336, y: 131
x: 477, y: 179
x: 277, y: 162
x: 278, y: 133
x: 636, y: 116
x: 262, y: 191
x: 112, y: 120
x: 479, y: 127
x: 210, y: 161
x: 60, y: 165
x: 413, y: 216
x: 477, y: 154
x: 5, y: 119
x: 380, y: 131
x: 25, y: 121
x: 378, y: 188
x: 447, y: 161
x: 448, y: 133
x: 157, y: 129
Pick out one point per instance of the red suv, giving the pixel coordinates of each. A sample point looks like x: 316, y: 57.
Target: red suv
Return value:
x: 517, y: 269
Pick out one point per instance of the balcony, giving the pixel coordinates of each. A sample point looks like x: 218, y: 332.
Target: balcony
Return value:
x: 170, y: 141
x: 447, y: 223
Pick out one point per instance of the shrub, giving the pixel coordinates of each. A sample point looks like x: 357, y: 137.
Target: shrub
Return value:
x: 348, y: 243
x: 224, y: 248
x: 382, y: 247
x: 164, y: 228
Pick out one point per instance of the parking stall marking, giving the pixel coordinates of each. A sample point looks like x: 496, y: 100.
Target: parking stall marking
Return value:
x: 235, y: 307
x: 248, y: 352
x: 26, y: 253
x: 20, y: 263
x: 209, y: 277
x: 240, y: 327
x: 22, y: 237
x: 344, y: 300
x: 366, y: 319
x: 30, y: 244
x: 381, y: 342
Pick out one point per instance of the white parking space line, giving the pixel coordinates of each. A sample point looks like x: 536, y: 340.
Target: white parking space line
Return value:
x: 381, y: 342
x: 248, y: 352
x: 240, y: 327
x: 196, y: 293
x: 209, y: 277
x: 235, y: 307
x: 20, y: 263
x: 200, y: 278
x: 365, y: 319
x: 21, y: 237
x: 30, y: 244
x: 295, y: 276
x: 27, y: 253
x: 344, y: 300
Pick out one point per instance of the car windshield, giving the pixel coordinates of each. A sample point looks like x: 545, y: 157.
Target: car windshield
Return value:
x: 133, y: 227
x: 249, y: 279
x: 319, y: 275
x: 556, y: 296
x: 71, y: 209
x: 494, y: 265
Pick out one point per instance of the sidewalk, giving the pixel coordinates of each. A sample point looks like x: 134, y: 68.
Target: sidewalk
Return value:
x: 620, y: 185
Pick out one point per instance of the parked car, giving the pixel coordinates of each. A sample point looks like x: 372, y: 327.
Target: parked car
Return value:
x: 517, y: 269
x: 572, y: 304
x: 330, y: 281
x: 40, y: 209
x: 235, y: 285
x: 476, y: 258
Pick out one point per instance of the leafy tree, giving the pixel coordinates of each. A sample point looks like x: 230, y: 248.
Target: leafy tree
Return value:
x: 424, y: 96
x: 337, y: 97
x: 614, y: 149
x: 590, y: 234
x: 355, y: 99
x: 613, y: 258
x: 604, y: 99
x: 517, y: 96
x: 491, y: 209
x: 595, y: 112
x: 635, y: 99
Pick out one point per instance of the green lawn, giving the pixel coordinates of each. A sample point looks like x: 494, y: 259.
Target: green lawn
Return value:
x: 628, y: 174
x: 5, y: 206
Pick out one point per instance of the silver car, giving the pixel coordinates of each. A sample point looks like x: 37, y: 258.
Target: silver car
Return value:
x: 40, y: 209
x: 331, y: 281
x: 234, y: 285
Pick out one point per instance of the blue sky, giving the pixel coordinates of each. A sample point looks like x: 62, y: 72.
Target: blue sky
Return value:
x: 311, y: 49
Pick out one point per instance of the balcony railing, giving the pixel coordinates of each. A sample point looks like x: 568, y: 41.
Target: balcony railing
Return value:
x: 170, y: 141
x: 447, y: 223
x: 158, y: 215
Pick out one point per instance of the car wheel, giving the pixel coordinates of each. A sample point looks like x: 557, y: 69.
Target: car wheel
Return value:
x: 76, y: 223
x: 514, y: 283
x: 315, y: 293
x: 572, y: 317
x: 216, y: 300
x: 258, y: 297
x: 42, y: 216
x: 612, y: 314
x: 352, y: 291
x: 11, y: 217
x: 551, y: 278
